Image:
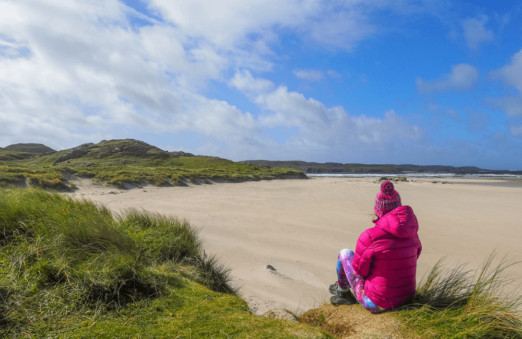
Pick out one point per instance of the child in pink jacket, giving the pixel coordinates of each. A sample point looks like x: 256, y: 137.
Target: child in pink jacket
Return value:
x: 382, y: 270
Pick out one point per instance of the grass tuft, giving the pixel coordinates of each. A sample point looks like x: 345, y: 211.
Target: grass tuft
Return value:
x: 211, y: 273
x: 60, y: 257
x: 162, y: 238
x: 460, y: 304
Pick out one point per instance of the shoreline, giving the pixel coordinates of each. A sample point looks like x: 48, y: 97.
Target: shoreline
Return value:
x: 497, y: 180
x: 298, y: 227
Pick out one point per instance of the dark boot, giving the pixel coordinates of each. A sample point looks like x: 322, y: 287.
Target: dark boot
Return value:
x: 342, y: 297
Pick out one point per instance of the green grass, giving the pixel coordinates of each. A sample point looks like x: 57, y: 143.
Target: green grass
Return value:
x: 49, y: 178
x: 8, y: 155
x: 71, y: 269
x: 127, y: 163
x: 460, y: 304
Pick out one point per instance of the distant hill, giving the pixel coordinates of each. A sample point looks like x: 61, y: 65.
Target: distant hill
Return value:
x: 31, y: 148
x: 125, y: 163
x: 124, y: 148
x: 336, y: 168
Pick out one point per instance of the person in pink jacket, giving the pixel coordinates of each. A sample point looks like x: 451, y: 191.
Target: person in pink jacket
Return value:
x: 381, y: 271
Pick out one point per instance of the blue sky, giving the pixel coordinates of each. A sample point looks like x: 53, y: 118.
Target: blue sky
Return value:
x: 420, y: 82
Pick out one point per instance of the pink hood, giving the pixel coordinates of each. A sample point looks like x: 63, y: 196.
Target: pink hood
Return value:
x: 401, y: 222
x: 386, y: 256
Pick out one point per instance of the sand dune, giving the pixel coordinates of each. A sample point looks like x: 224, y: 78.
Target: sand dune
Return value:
x: 298, y: 226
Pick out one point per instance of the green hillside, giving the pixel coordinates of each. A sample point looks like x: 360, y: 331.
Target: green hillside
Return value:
x: 10, y: 155
x: 69, y: 269
x: 31, y: 148
x: 126, y: 163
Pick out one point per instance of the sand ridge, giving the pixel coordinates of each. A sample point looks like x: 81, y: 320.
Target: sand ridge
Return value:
x: 297, y: 227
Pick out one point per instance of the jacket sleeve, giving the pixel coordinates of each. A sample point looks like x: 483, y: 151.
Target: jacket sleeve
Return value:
x: 362, y: 259
x: 419, y: 249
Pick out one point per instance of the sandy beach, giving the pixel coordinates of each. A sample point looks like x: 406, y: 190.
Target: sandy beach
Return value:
x: 298, y: 227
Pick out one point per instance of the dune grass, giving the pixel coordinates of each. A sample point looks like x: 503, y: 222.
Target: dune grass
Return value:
x: 71, y: 269
x: 459, y: 303
x: 134, y: 171
x: 47, y: 178
x: 127, y: 163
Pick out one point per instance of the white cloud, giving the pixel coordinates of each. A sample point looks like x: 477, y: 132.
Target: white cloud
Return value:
x: 342, y: 27
x: 233, y: 24
x: 511, y: 74
x: 227, y: 23
x: 224, y: 122
x: 244, y: 82
x: 310, y: 75
x: 463, y: 77
x: 475, y: 32
x: 293, y: 109
x: 316, y: 130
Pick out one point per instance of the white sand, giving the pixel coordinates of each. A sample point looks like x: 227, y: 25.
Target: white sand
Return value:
x: 298, y: 227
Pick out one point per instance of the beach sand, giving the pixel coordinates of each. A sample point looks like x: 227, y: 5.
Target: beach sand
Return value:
x: 298, y: 227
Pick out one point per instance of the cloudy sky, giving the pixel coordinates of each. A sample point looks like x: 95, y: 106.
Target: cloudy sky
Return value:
x: 405, y: 81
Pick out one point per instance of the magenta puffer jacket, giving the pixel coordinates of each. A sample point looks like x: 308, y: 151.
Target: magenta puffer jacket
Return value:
x: 386, y: 256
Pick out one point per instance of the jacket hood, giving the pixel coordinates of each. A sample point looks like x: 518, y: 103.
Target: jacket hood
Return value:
x: 401, y: 222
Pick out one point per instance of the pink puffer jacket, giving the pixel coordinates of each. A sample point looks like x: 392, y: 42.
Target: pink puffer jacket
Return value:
x: 386, y: 256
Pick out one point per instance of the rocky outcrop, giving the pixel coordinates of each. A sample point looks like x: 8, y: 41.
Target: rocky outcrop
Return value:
x: 74, y: 153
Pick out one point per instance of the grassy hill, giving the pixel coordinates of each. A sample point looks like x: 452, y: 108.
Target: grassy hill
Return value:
x: 30, y: 148
x: 126, y: 163
x: 9, y: 155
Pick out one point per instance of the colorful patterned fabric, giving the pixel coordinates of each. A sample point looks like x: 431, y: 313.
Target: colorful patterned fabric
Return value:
x: 346, y: 277
x: 387, y: 199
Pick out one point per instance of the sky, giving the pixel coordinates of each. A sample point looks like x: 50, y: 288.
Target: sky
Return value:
x: 404, y: 82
